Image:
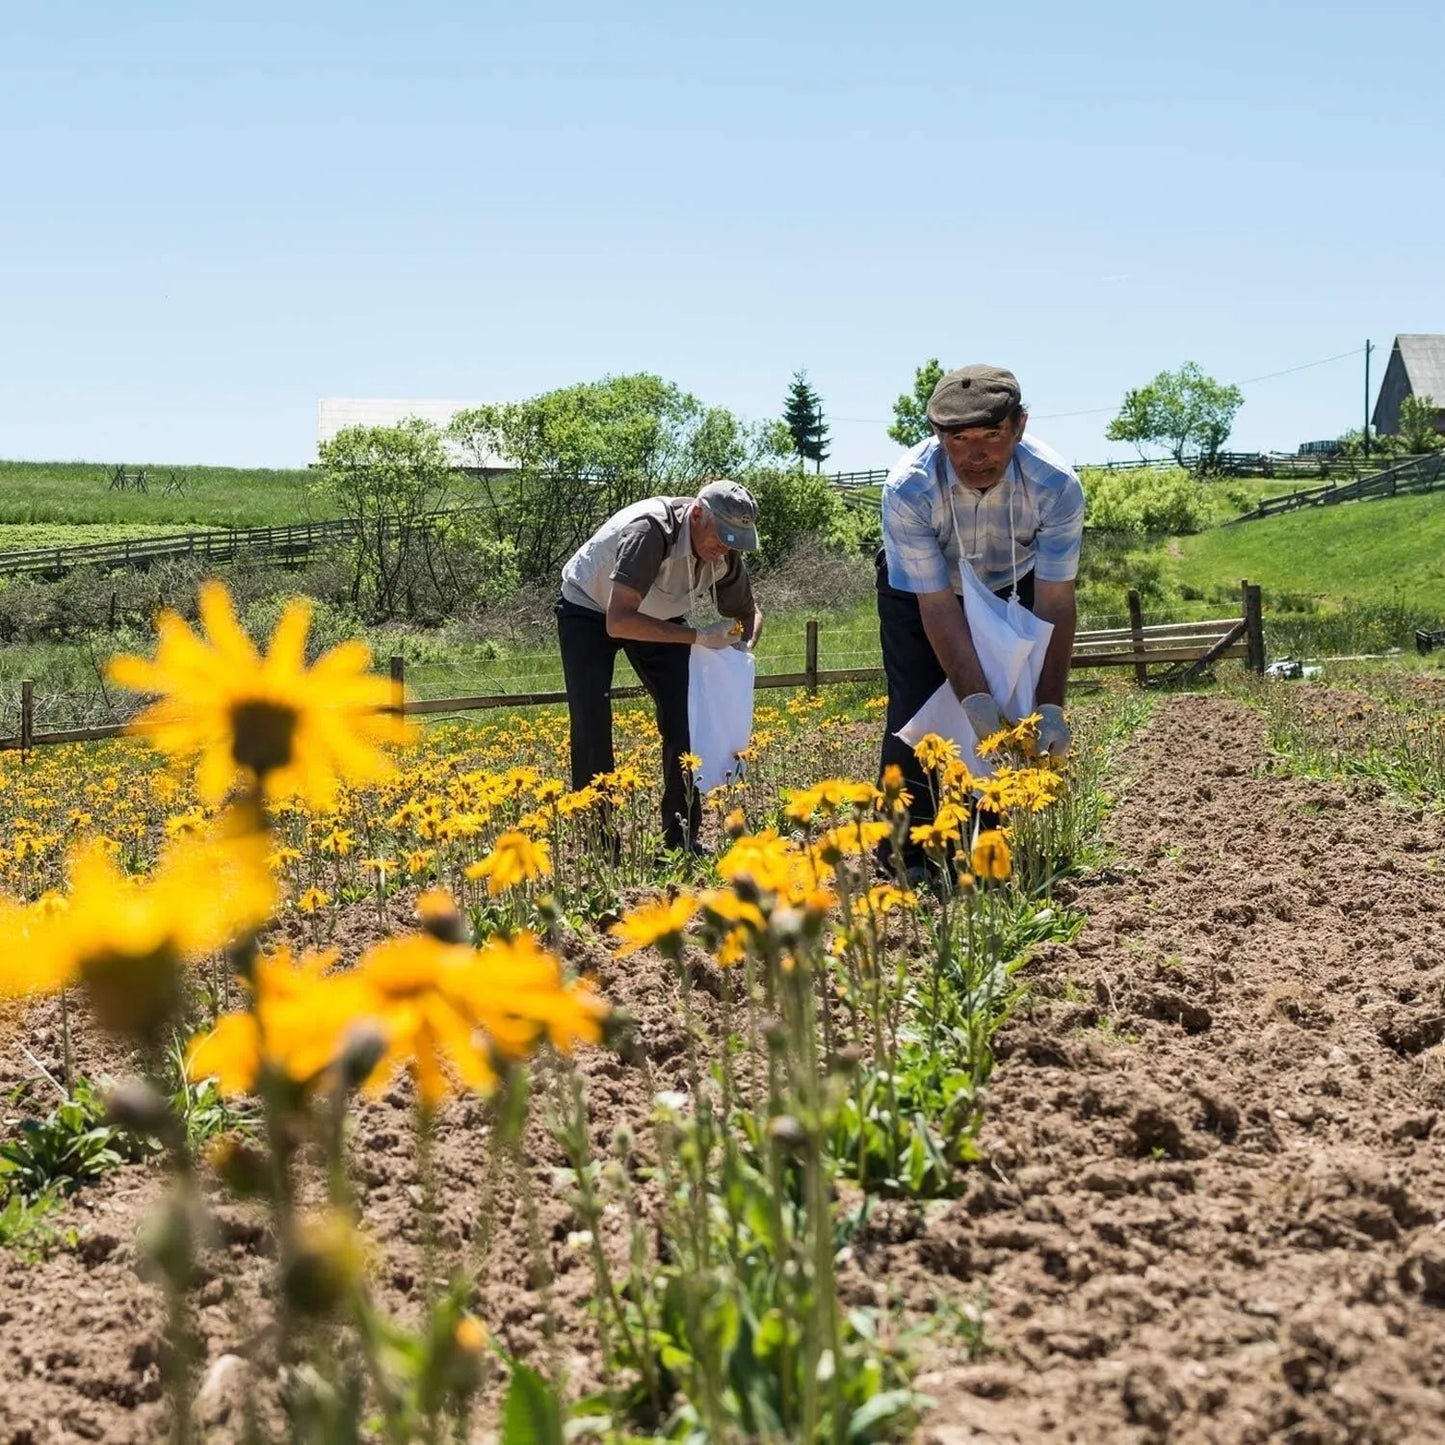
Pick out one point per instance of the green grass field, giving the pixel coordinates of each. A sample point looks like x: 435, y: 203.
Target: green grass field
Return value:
x: 1391, y: 550
x: 54, y: 492
x: 30, y: 536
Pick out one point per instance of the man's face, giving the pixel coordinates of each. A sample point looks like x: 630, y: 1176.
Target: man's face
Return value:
x: 981, y: 454
x: 707, y: 546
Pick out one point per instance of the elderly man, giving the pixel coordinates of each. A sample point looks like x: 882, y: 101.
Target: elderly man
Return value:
x: 629, y: 588
x: 980, y: 492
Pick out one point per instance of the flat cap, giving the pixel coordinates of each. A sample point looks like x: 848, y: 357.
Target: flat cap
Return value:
x: 973, y: 396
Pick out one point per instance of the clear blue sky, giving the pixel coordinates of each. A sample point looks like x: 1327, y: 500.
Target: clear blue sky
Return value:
x: 212, y: 216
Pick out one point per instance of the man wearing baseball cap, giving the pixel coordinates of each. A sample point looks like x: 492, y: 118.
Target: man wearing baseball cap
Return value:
x: 978, y: 492
x: 629, y: 588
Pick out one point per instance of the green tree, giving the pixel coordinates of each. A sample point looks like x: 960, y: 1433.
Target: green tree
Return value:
x: 551, y: 468
x: 803, y: 417
x: 1417, y: 429
x: 1181, y: 410
x: 396, y: 485
x: 910, y: 411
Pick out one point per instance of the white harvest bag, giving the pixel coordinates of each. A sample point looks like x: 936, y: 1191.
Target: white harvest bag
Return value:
x: 719, y: 711
x: 1010, y: 642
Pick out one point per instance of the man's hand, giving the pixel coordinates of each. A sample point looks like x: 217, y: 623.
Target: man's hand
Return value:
x: 984, y: 715
x: 1055, y: 737
x: 718, y: 636
x: 750, y: 636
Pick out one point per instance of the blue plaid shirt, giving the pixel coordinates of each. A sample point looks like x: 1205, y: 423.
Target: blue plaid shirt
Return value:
x: 922, y: 548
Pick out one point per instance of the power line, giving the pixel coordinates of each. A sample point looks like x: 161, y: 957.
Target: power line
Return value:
x: 1101, y: 410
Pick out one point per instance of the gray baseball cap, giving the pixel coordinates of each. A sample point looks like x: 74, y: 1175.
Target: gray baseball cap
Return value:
x: 973, y: 396
x: 734, y: 513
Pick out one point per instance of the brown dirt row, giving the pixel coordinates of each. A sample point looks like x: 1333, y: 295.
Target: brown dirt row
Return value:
x: 1212, y: 1203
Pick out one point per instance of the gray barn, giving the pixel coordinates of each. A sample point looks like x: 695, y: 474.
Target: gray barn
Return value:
x: 1416, y: 368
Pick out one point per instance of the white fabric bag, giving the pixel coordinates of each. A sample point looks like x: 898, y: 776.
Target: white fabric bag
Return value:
x: 1010, y: 642
x: 719, y: 711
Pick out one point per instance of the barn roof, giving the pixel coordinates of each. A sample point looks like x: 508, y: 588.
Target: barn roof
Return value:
x: 1424, y: 359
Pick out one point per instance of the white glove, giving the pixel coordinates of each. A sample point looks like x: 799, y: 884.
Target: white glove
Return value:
x: 718, y: 636
x: 984, y: 715
x: 1054, y: 736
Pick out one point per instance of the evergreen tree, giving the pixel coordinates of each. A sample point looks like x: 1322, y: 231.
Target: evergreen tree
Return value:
x: 803, y: 417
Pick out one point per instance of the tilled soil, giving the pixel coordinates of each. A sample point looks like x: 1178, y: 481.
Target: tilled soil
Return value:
x: 1211, y: 1200
x: 1212, y: 1204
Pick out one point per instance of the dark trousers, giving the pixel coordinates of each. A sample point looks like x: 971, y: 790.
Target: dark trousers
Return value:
x: 589, y: 656
x: 914, y: 675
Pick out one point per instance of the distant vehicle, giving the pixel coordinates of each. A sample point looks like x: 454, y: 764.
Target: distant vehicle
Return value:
x: 1291, y: 669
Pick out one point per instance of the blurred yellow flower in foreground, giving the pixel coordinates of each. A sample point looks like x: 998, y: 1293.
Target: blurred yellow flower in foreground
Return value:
x: 415, y: 1002
x: 126, y: 939
x: 294, y: 730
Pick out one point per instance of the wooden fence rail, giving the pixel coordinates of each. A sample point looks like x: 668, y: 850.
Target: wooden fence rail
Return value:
x: 1182, y: 649
x: 1414, y: 474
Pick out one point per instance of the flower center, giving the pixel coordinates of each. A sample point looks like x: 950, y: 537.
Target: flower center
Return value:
x: 263, y: 734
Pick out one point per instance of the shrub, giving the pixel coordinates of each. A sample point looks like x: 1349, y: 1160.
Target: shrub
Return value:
x: 1147, y: 501
x: 794, y: 505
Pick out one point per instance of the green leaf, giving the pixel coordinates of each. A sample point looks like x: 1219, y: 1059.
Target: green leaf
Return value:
x: 531, y: 1414
x: 880, y: 1410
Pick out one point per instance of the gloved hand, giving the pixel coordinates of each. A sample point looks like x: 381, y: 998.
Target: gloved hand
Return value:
x: 984, y: 715
x: 1054, y: 736
x: 718, y: 636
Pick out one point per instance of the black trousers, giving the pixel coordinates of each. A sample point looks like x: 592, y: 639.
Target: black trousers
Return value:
x: 589, y: 657
x: 914, y: 675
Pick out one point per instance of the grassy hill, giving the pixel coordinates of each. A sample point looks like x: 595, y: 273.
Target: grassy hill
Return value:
x: 66, y: 492
x: 1386, y: 551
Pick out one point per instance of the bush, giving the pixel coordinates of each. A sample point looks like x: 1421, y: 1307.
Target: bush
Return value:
x: 794, y: 505
x: 1163, y: 500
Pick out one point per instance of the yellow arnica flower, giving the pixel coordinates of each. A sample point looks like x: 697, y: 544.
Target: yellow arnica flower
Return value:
x: 436, y: 1008
x: 991, y: 857
x: 268, y: 719
x: 515, y: 858
x: 935, y: 752
x: 126, y: 939
x: 661, y: 922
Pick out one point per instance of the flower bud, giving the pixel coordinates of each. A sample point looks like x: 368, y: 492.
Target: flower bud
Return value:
x: 362, y: 1049
x: 134, y: 1105
x: 242, y: 1167
x: 787, y: 1133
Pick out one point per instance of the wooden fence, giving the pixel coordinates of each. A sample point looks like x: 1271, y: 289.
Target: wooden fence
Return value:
x: 1414, y: 474
x: 1162, y: 653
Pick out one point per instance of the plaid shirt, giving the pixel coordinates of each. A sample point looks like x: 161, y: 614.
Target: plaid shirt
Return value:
x: 922, y: 546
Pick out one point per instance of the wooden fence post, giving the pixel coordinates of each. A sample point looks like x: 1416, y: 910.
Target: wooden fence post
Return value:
x: 810, y: 664
x: 27, y: 715
x: 1136, y: 629
x: 1253, y: 626
x: 398, y: 684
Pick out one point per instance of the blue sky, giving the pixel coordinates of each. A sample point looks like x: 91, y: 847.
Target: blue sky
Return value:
x: 210, y: 221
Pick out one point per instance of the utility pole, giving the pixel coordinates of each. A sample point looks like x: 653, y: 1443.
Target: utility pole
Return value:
x: 1368, y: 350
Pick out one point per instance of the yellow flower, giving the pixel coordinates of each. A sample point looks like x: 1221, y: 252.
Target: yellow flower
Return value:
x: 659, y: 922
x: 313, y: 899
x: 269, y: 719
x: 991, y: 855
x: 126, y: 939
x: 515, y: 858
x: 935, y: 752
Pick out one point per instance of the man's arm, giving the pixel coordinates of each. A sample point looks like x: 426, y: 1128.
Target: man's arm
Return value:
x: 947, y: 631
x: 624, y: 620
x: 1056, y: 602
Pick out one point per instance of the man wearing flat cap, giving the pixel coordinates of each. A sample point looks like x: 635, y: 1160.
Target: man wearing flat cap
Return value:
x: 629, y: 588
x: 978, y: 491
